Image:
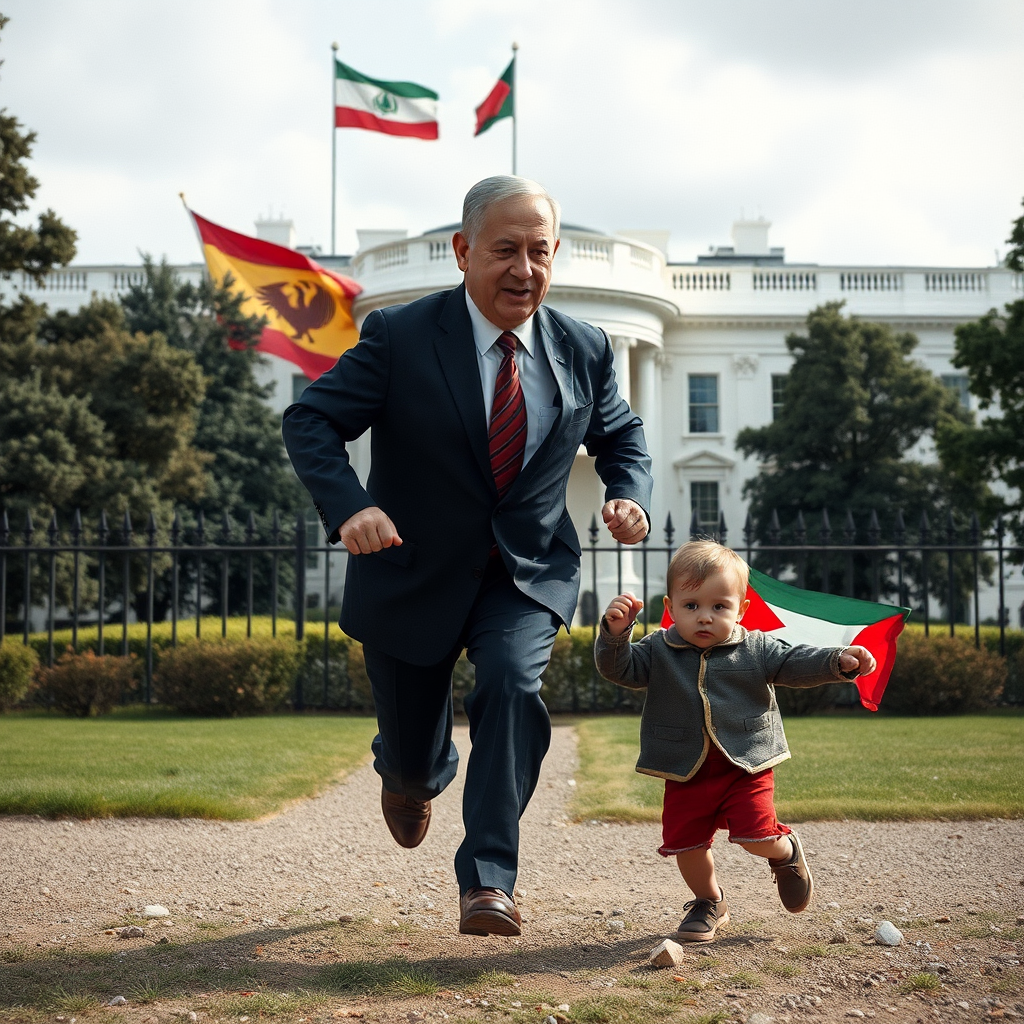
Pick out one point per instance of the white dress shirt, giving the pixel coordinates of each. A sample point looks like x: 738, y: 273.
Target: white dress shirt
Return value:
x: 540, y: 391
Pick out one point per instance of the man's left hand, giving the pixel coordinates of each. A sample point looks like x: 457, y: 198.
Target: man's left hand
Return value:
x: 626, y: 520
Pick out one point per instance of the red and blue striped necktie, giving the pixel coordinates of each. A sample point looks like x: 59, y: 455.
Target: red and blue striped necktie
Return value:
x: 506, y: 438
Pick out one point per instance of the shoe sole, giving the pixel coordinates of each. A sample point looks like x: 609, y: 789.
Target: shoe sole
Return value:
x: 703, y: 936
x: 489, y: 922
x: 810, y: 879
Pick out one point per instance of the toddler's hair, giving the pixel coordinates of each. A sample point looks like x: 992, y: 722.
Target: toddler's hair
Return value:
x: 696, y: 560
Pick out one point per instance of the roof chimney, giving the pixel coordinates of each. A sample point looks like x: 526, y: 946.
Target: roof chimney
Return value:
x: 750, y: 237
x: 276, y: 230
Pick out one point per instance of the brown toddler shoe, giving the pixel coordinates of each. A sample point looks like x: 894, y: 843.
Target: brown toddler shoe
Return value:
x: 793, y: 877
x: 703, y: 919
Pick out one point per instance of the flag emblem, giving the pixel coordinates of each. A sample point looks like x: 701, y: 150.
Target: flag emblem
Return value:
x: 385, y: 103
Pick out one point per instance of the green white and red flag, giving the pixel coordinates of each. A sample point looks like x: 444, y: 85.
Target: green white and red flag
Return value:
x: 395, y: 108
x: 500, y: 101
x: 826, y: 620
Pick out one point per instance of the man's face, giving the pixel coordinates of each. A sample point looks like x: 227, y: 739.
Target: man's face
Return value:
x: 508, y: 263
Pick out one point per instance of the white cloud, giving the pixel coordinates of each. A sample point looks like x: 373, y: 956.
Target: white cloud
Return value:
x: 866, y: 133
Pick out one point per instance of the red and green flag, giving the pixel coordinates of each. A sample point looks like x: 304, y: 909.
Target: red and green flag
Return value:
x: 395, y: 108
x: 500, y: 101
x: 826, y: 620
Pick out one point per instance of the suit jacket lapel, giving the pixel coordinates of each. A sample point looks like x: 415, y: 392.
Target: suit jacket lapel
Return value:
x: 456, y: 352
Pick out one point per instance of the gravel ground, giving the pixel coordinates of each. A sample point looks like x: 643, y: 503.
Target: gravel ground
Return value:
x: 595, y: 899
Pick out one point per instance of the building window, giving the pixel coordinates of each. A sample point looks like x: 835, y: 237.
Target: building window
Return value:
x: 957, y: 383
x: 778, y: 393
x: 299, y: 384
x: 703, y: 403
x: 704, y: 501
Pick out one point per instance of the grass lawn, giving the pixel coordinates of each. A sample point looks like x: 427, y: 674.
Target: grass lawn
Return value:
x: 868, y: 768
x: 154, y: 764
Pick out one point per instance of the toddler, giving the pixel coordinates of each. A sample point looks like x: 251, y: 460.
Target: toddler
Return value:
x: 711, y: 725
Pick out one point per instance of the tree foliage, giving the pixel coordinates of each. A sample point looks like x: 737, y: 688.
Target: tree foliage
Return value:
x: 248, y: 472
x: 31, y: 250
x: 857, y: 412
x: 991, y: 350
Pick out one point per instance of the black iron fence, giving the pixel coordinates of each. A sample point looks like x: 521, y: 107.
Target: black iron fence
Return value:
x: 108, y: 578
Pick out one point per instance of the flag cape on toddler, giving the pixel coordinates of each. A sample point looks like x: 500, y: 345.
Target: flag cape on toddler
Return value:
x: 826, y: 620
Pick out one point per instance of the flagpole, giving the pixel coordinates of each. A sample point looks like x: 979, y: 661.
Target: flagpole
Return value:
x: 334, y: 138
x: 515, y: 47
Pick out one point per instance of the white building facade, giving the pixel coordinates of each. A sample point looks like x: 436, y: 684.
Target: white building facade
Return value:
x: 699, y: 347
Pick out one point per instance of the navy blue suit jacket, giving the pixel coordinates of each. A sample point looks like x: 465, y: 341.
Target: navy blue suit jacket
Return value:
x: 413, y: 381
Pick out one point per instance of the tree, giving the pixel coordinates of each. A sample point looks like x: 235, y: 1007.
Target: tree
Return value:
x: 91, y: 417
x: 855, y: 408
x: 248, y: 470
x: 991, y: 350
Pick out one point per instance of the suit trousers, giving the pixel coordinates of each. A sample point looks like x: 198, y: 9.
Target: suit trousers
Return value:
x: 508, y: 639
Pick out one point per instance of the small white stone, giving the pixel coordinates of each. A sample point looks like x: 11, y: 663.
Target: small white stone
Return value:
x: 887, y: 934
x: 155, y: 910
x: 854, y: 1013
x: 759, y: 1018
x: 616, y: 926
x: 666, y: 954
x: 117, y: 1001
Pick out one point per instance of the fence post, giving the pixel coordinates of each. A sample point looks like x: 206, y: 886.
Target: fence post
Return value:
x: 826, y: 536
x: 150, y: 583
x: 53, y: 537
x: 975, y: 543
x: 300, y: 595
x: 29, y: 530
x: 1002, y: 589
x: 175, y: 574
x: 849, y: 536
x: 950, y: 574
x: 126, y: 532
x: 800, y: 536
x: 76, y: 540
x: 101, y: 601
x: 925, y: 559
x: 5, y: 533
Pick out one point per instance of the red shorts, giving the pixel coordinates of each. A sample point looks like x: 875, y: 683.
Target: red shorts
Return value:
x: 720, y: 795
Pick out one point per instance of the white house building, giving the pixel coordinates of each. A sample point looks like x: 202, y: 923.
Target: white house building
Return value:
x: 699, y: 346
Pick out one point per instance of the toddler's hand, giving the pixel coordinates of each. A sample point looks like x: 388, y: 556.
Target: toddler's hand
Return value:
x: 859, y: 658
x: 621, y: 613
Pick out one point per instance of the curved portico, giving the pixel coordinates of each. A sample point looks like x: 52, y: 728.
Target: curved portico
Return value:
x: 615, y: 283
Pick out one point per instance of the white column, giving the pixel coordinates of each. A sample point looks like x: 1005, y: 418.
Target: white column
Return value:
x: 648, y: 407
x: 620, y: 348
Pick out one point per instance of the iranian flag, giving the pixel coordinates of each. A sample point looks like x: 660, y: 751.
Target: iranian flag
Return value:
x: 500, y: 101
x: 395, y: 108
x: 826, y: 620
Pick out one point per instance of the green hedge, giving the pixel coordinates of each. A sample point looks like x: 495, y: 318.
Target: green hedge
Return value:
x: 570, y: 684
x: 17, y: 664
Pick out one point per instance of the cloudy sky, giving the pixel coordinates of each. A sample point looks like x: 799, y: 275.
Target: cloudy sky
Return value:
x: 867, y: 132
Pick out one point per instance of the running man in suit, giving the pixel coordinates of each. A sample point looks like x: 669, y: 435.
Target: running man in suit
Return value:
x: 477, y: 400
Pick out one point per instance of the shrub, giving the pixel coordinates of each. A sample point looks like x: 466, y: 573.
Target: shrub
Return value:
x: 795, y: 701
x: 16, y: 666
x: 943, y: 675
x: 228, y: 677
x: 85, y: 684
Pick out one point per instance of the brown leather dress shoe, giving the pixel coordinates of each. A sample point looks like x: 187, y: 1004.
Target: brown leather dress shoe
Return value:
x: 407, y: 819
x: 486, y: 911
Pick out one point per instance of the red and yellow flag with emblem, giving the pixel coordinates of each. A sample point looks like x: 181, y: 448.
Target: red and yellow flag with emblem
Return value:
x: 309, y: 308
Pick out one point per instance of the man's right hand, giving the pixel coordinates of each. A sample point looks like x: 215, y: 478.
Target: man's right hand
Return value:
x: 369, y: 530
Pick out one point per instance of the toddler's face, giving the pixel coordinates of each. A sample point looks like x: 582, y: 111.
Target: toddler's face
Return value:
x: 705, y: 615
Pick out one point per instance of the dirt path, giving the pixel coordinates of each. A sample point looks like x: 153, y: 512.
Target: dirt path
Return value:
x: 255, y: 908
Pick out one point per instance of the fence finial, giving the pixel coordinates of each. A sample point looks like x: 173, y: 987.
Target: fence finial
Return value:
x: 53, y: 530
x: 826, y: 527
x: 800, y: 528
x: 694, y: 525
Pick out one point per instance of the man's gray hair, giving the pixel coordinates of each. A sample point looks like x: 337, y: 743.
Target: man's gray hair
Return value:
x: 486, y: 193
